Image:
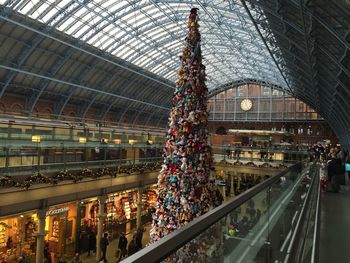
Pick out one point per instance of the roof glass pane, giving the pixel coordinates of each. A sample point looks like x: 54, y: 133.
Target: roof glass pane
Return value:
x: 151, y: 34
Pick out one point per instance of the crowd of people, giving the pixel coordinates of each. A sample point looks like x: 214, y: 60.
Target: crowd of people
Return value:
x: 332, y: 161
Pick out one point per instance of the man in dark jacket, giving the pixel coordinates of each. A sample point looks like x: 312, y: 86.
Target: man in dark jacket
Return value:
x: 335, y: 171
x: 92, y: 241
x: 139, y: 236
x: 123, y: 242
x: 104, y: 245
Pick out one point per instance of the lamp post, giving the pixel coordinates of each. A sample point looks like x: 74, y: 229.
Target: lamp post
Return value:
x: 118, y: 142
x: 37, y: 139
x: 104, y: 143
x: 132, y: 142
x: 149, y: 150
x: 63, y: 156
x: 83, y: 140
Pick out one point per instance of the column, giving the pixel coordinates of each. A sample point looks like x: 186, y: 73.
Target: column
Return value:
x: 77, y: 228
x: 139, y: 207
x: 232, y: 175
x: 40, y: 244
x: 7, y: 158
x: 101, y: 218
x: 239, y: 182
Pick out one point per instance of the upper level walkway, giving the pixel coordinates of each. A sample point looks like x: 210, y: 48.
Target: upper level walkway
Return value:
x: 334, y: 241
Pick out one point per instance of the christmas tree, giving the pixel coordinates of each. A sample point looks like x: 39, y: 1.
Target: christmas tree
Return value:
x: 185, y: 188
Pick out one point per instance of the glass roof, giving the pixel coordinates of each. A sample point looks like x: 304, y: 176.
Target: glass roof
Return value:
x: 150, y: 34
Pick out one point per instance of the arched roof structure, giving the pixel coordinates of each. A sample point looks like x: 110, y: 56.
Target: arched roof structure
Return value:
x: 122, y: 56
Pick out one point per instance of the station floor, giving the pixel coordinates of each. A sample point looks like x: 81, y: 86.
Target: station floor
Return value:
x: 334, y: 239
x: 113, y: 245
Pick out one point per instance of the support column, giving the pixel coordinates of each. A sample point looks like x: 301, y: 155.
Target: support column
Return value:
x: 101, y: 219
x: 139, y: 207
x: 232, y: 193
x: 239, y: 182
x: 77, y: 227
x: 40, y: 244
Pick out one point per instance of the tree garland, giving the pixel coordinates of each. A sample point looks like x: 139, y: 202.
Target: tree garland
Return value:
x: 65, y: 175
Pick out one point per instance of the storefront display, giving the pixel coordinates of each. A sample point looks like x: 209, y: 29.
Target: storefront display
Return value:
x: 17, y: 237
x: 60, y: 226
x: 120, y: 209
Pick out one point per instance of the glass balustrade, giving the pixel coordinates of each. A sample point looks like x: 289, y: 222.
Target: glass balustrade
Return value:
x: 257, y: 226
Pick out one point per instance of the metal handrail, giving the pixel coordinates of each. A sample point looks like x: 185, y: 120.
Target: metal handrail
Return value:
x: 316, y: 234
x: 169, y: 244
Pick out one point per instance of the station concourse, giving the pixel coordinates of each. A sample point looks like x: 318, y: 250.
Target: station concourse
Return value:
x: 205, y: 131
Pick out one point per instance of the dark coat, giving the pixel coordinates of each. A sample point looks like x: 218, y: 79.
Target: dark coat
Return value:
x: 92, y: 241
x: 104, y: 243
x: 123, y: 242
x: 334, y: 168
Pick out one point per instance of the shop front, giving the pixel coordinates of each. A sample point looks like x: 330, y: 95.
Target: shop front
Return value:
x: 17, y: 237
x: 60, y: 226
x: 120, y: 211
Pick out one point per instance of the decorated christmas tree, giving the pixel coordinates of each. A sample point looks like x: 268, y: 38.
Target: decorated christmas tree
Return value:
x: 185, y: 188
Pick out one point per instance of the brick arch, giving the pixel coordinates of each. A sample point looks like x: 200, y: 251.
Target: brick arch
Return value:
x: 35, y: 112
x: 47, y: 113
x: 17, y: 107
x: 2, y: 107
x: 70, y: 116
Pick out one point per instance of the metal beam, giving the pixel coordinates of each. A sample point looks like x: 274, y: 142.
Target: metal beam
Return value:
x: 138, y: 72
x: 80, y: 86
x: 263, y: 39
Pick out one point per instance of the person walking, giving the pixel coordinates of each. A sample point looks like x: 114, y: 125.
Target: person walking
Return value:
x: 123, y: 243
x: 92, y: 241
x: 104, y: 245
x: 335, y: 171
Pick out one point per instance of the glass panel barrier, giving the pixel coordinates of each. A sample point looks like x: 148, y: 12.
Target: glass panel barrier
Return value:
x: 248, y: 228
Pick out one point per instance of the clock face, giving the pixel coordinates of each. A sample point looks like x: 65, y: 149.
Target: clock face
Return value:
x: 246, y: 104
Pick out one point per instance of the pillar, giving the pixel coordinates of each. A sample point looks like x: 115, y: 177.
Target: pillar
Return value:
x: 40, y: 244
x: 139, y: 207
x: 77, y: 227
x: 101, y: 218
x: 239, y: 182
x: 232, y: 184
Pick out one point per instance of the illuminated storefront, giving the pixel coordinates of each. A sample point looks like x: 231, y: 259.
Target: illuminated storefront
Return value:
x: 61, y: 228
x: 17, y: 237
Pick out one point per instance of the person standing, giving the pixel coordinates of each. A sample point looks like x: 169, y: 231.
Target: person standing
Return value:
x: 139, y: 236
x: 92, y: 241
x: 132, y: 248
x: 104, y: 245
x: 123, y: 242
x: 47, y: 253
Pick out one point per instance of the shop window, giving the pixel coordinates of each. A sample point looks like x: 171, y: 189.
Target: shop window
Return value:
x: 17, y: 238
x: 309, y: 131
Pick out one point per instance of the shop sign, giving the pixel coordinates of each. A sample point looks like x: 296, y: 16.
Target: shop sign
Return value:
x: 57, y: 211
